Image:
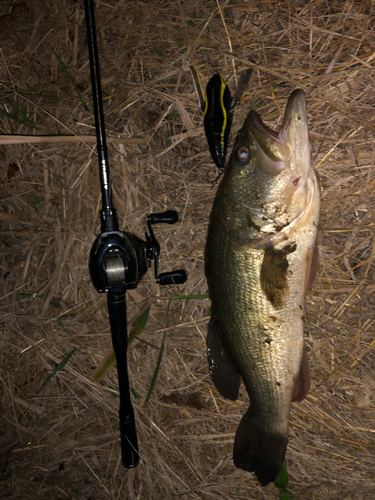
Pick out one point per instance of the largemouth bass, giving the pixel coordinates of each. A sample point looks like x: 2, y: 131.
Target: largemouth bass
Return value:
x: 261, y: 258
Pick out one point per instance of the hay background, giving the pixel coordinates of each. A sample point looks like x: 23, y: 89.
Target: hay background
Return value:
x: 64, y: 445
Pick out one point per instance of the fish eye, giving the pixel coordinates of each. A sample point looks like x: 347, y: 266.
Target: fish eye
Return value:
x: 243, y: 154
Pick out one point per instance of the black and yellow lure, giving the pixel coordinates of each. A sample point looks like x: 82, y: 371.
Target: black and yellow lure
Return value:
x: 217, y: 107
x: 217, y: 118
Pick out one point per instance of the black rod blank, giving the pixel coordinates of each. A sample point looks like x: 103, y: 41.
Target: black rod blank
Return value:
x: 98, y: 106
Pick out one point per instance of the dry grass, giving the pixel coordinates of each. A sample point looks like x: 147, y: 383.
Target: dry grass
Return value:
x: 63, y: 444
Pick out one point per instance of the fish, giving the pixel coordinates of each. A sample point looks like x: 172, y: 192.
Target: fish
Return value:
x: 261, y: 258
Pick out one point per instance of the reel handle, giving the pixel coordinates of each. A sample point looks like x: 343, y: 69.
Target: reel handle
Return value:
x: 173, y: 277
x: 176, y: 277
x: 168, y: 217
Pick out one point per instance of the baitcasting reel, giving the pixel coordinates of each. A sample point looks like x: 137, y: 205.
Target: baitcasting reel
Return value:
x: 118, y: 260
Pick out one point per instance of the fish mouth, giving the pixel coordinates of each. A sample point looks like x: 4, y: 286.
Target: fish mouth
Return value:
x: 287, y: 149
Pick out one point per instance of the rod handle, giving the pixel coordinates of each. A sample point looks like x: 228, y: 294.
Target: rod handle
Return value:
x: 129, y: 441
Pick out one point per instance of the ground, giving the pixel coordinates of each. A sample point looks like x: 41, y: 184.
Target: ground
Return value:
x: 60, y: 440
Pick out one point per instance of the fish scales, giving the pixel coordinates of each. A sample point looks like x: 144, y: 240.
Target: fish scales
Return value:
x: 260, y: 261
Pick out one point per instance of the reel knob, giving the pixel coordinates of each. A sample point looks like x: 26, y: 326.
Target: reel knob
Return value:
x: 172, y: 278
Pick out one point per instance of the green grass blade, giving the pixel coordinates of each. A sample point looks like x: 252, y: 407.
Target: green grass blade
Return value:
x: 23, y: 115
x: 139, y: 324
x: 105, y: 365
x: 282, y: 479
x: 176, y: 297
x: 18, y: 111
x: 157, y: 369
x: 70, y: 78
x: 29, y: 94
x: 61, y: 325
x: 15, y: 118
x: 284, y: 495
x: 136, y: 329
x: 160, y: 357
x: 58, y: 368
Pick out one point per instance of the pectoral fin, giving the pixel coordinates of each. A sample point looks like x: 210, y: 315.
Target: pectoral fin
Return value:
x: 302, y: 382
x: 273, y: 274
x: 223, y: 371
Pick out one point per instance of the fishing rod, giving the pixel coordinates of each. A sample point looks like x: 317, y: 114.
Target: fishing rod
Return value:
x: 118, y: 260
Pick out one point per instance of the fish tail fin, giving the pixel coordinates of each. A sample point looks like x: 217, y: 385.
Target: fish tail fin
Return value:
x: 256, y: 450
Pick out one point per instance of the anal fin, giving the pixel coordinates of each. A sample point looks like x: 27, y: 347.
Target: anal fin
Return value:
x: 302, y: 382
x: 312, y: 267
x: 223, y: 372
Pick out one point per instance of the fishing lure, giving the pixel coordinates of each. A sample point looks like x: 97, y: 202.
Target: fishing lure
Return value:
x: 217, y: 118
x: 217, y: 107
